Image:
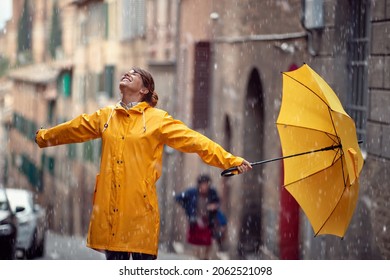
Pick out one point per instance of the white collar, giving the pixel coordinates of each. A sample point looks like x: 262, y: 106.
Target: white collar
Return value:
x: 128, y: 105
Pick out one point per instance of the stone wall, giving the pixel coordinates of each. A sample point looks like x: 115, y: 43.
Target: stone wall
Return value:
x: 378, y: 126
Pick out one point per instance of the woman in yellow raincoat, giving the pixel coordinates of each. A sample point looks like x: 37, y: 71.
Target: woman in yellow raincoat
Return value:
x: 125, y: 217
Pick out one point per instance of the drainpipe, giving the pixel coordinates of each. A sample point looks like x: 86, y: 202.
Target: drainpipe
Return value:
x: 312, y: 21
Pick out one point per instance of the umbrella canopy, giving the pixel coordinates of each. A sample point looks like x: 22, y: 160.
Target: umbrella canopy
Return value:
x: 324, y: 182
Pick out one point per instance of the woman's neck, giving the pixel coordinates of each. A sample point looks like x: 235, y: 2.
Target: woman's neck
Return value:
x: 128, y: 99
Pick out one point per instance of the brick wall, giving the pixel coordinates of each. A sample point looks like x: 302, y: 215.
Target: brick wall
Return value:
x: 378, y: 126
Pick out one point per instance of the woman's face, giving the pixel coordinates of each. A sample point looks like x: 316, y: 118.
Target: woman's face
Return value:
x: 131, y: 81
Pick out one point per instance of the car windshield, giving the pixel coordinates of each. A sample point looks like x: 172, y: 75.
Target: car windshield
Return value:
x: 20, y: 198
x: 3, y: 200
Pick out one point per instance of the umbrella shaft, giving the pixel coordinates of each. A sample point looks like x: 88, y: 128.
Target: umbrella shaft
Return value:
x: 230, y: 171
x: 295, y: 155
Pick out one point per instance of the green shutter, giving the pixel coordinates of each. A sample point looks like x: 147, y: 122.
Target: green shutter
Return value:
x: 67, y: 84
x: 72, y: 151
x: 109, y: 71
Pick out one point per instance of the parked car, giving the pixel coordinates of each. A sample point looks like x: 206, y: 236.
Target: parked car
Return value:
x: 32, y: 224
x: 8, y: 227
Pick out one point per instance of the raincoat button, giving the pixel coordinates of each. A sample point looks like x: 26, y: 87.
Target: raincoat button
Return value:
x: 128, y: 115
x: 123, y: 137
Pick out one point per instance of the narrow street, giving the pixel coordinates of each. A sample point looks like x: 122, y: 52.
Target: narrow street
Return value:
x: 59, y: 247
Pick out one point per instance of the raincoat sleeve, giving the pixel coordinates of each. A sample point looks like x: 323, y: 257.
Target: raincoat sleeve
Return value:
x: 180, y: 137
x: 81, y: 129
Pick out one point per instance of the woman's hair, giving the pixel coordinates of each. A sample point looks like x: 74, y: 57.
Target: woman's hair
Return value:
x: 151, y: 97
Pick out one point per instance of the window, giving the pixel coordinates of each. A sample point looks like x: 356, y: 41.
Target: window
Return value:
x: 72, y: 151
x: 109, y: 72
x: 105, y: 81
x: 65, y: 84
x: 358, y: 66
x: 92, y: 150
x: 96, y: 23
x: 55, y: 41
x: 25, y: 126
x: 88, y: 151
x: 133, y: 19
x: 48, y: 163
x: 30, y: 170
x: 200, y: 115
x: 50, y: 111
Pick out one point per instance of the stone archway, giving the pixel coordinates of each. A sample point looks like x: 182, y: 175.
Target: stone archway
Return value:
x: 250, y: 230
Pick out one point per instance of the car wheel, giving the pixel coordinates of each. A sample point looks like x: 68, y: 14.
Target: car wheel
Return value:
x: 31, y: 252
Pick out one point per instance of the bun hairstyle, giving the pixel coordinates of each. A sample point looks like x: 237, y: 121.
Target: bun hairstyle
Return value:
x: 151, y: 97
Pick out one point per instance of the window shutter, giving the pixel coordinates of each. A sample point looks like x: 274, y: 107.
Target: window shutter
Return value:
x: 109, y: 71
x: 358, y: 54
x: 201, y: 101
x: 133, y: 19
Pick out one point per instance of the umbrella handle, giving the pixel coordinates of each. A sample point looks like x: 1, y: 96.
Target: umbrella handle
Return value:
x: 229, y: 172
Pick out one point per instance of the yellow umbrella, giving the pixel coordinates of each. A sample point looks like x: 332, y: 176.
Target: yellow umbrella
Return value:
x: 322, y: 158
x: 324, y: 177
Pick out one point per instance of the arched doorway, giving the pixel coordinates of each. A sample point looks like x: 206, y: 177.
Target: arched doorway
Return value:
x: 250, y: 230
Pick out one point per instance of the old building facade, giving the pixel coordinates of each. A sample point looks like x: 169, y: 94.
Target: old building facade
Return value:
x: 217, y: 66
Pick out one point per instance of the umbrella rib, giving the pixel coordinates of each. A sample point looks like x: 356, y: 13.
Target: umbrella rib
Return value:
x: 345, y: 187
x: 335, y: 158
x: 299, y: 82
x: 331, y: 138
x: 312, y: 174
x: 334, y: 127
x: 313, y: 129
x: 338, y: 142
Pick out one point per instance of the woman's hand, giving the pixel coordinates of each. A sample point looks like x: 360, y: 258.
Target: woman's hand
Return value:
x: 244, y: 167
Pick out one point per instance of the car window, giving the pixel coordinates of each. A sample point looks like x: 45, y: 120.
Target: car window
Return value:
x: 19, y: 198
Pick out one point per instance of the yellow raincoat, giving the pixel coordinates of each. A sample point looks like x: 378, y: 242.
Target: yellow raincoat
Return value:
x: 125, y: 214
